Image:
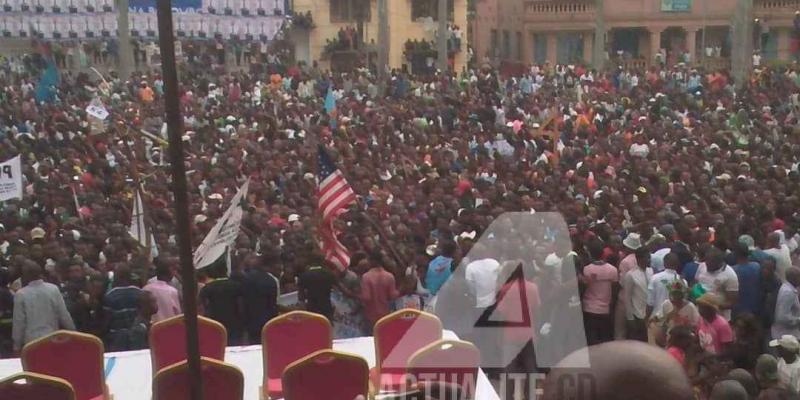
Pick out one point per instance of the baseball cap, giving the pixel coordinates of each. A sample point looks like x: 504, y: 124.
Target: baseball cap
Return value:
x: 788, y: 342
x: 37, y: 233
x: 767, y: 368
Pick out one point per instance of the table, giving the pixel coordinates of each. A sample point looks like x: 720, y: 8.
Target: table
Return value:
x: 128, y: 373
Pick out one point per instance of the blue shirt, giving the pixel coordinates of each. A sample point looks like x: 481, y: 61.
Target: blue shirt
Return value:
x: 689, y: 271
x: 437, y: 274
x: 749, y: 288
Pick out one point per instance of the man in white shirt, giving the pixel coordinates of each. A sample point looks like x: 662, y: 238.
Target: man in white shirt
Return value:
x: 658, y: 290
x: 781, y: 254
x: 634, y: 285
x: 719, y: 279
x: 788, y: 361
x: 787, y: 306
x: 481, y: 277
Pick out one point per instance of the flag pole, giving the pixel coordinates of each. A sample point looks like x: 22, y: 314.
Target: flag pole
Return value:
x: 174, y: 127
x: 138, y: 200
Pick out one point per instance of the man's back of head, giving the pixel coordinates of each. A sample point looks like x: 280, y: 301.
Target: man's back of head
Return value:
x: 122, y: 276
x: 645, y: 372
x: 728, y: 390
x: 31, y: 271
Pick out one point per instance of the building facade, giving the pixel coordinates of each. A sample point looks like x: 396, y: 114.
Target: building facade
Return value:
x: 638, y: 32
x: 343, y: 30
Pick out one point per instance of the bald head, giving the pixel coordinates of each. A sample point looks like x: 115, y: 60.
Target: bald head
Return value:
x: 729, y: 390
x: 646, y: 372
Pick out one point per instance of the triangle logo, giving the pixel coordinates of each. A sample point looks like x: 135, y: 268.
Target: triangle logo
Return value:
x: 511, y: 309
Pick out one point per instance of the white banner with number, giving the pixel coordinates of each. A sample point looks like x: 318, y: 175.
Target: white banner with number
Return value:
x: 11, y: 179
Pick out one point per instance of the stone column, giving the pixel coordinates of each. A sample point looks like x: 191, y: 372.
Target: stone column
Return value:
x: 588, y: 44
x: 784, y: 43
x: 552, y: 44
x: 655, y: 43
x: 527, y: 47
x: 691, y: 44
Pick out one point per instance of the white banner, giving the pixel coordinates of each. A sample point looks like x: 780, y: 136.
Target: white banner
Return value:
x: 224, y: 233
x: 97, y: 109
x: 11, y: 179
x: 138, y: 229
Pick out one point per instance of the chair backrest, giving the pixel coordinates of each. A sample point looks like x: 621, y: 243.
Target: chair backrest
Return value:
x: 72, y: 356
x: 326, y: 374
x: 220, y: 381
x: 400, y: 334
x: 448, y: 361
x: 32, y: 386
x: 290, y: 337
x: 168, y: 341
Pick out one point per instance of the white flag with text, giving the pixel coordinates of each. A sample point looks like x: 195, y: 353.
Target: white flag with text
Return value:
x: 11, y: 179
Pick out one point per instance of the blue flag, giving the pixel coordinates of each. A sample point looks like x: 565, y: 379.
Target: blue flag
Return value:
x: 330, y: 107
x: 45, y: 89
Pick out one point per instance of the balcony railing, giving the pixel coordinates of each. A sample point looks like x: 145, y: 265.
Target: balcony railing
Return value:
x: 776, y: 4
x: 557, y: 7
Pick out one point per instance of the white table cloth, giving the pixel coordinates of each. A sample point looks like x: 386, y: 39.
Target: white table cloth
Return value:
x: 128, y: 373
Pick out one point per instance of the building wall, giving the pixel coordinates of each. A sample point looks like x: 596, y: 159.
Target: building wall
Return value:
x: 401, y: 29
x: 552, y: 18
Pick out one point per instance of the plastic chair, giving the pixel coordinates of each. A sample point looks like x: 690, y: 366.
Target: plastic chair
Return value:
x: 32, y: 386
x: 397, y: 337
x: 168, y: 341
x: 72, y: 356
x: 220, y: 381
x: 288, y: 338
x: 326, y: 374
x: 453, y: 362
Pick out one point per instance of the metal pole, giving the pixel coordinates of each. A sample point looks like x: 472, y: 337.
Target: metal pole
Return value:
x: 442, y: 36
x: 599, y: 47
x: 174, y: 129
x: 125, y: 66
x: 383, y: 41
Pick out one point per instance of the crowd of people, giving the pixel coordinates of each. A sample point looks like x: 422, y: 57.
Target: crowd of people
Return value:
x: 679, y: 187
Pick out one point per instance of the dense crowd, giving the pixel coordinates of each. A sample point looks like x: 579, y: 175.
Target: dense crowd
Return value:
x: 678, y: 187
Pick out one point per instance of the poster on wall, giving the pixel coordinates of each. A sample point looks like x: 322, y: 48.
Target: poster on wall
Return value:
x: 676, y: 5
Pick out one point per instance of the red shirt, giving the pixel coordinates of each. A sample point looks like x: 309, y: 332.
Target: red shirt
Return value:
x: 377, y: 292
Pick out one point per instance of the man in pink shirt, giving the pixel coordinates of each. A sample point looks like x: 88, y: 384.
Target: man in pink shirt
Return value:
x: 166, y: 296
x: 602, y: 285
x: 377, y: 290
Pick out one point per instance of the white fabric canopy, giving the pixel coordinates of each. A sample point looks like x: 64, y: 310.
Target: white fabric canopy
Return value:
x: 128, y: 373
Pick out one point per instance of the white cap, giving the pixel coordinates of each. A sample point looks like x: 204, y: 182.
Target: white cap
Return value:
x: 293, y: 218
x: 788, y: 342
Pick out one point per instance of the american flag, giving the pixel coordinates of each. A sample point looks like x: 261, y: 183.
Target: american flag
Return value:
x: 334, y: 194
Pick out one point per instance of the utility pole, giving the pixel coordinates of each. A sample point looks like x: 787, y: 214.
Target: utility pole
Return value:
x: 599, y: 48
x: 383, y: 42
x: 125, y: 66
x: 166, y: 41
x: 742, y: 52
x: 442, y: 36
